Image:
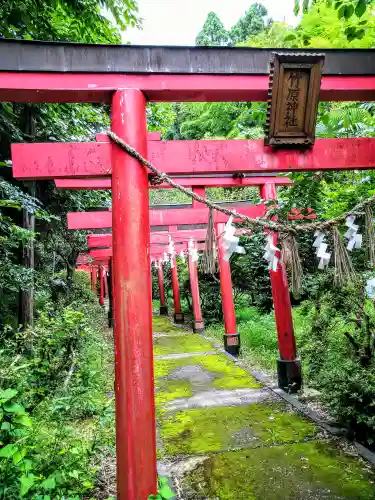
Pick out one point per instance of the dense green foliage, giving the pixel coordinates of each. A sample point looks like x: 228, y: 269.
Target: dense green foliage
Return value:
x: 351, y: 10
x: 55, y: 248
x: 56, y: 408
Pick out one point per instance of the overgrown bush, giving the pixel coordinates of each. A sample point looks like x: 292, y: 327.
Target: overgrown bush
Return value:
x: 56, y: 399
x: 337, y: 346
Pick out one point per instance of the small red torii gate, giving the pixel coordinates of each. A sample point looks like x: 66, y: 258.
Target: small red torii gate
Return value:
x: 194, y: 216
x: 105, y: 240
x: 60, y: 73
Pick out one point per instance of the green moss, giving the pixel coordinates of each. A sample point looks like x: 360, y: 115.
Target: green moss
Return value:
x: 291, y: 472
x: 163, y: 325
x: 214, y: 429
x: 179, y: 344
x: 173, y: 390
x: 231, y: 375
x: 225, y: 374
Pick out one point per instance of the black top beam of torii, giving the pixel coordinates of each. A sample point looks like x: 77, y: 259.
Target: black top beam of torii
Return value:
x: 57, y: 57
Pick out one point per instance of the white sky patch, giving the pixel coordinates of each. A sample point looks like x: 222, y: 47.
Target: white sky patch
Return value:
x: 177, y: 22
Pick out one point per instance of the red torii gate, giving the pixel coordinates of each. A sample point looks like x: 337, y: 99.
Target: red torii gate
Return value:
x: 133, y: 75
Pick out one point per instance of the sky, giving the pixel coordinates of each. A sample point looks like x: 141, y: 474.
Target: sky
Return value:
x: 177, y: 22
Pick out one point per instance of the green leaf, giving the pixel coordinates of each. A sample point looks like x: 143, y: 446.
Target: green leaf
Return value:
x: 8, y: 451
x: 87, y: 484
x: 7, y: 395
x: 23, y: 420
x: 49, y: 483
x: 27, y: 481
x: 360, y: 34
x: 349, y: 11
x: 5, y: 426
x: 341, y: 11
x: 26, y: 465
x: 164, y: 490
x: 74, y: 474
x: 19, y: 455
x: 337, y: 5
x: 360, y: 8
x: 290, y: 36
x: 14, y: 408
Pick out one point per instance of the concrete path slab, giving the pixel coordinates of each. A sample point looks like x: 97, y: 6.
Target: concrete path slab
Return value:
x: 206, y: 399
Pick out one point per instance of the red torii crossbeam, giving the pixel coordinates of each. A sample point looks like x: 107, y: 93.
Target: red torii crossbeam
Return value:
x: 171, y: 217
x: 102, y: 253
x: 54, y: 160
x: 105, y: 240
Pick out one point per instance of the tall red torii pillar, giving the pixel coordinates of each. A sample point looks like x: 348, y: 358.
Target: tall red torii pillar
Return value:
x: 134, y: 371
x: 288, y: 366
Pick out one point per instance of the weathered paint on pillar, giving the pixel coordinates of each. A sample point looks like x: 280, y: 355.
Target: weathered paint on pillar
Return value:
x: 231, y: 337
x: 101, y: 285
x: 288, y: 367
x: 134, y: 377
x: 178, y: 314
x: 198, y: 325
x: 163, y: 304
x: 94, y: 277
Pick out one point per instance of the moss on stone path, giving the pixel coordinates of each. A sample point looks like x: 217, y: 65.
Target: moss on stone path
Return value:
x: 301, y: 471
x: 161, y: 324
x: 213, y: 429
x: 177, y: 344
x: 262, y: 450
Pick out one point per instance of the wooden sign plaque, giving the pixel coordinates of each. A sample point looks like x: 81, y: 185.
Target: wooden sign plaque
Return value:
x: 294, y: 96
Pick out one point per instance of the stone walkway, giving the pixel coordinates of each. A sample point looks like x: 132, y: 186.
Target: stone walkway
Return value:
x: 222, y: 436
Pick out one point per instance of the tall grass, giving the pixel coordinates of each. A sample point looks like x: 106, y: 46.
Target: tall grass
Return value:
x: 258, y: 335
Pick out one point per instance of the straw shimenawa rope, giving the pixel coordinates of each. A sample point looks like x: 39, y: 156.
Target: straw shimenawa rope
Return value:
x: 260, y: 223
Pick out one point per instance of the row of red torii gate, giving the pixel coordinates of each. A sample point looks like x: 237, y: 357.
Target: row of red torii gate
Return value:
x: 127, y: 77
x: 175, y: 222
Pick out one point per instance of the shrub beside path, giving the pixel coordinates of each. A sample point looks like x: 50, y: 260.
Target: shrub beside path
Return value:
x: 223, y: 436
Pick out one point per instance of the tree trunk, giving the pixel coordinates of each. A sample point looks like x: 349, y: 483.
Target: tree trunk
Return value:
x: 26, y: 309
x: 71, y: 266
x: 26, y: 303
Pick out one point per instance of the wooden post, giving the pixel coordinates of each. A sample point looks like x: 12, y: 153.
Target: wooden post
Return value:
x: 94, y: 277
x: 231, y: 337
x: 163, y: 304
x: 198, y: 326
x: 105, y: 278
x: 101, y: 285
x: 178, y: 314
x: 134, y: 375
x: 288, y: 366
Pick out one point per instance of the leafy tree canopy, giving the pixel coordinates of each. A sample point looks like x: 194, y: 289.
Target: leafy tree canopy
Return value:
x: 350, y: 10
x: 252, y: 23
x: 213, y: 32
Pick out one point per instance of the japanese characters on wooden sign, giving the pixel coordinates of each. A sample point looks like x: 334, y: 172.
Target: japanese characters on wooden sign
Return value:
x: 294, y: 96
